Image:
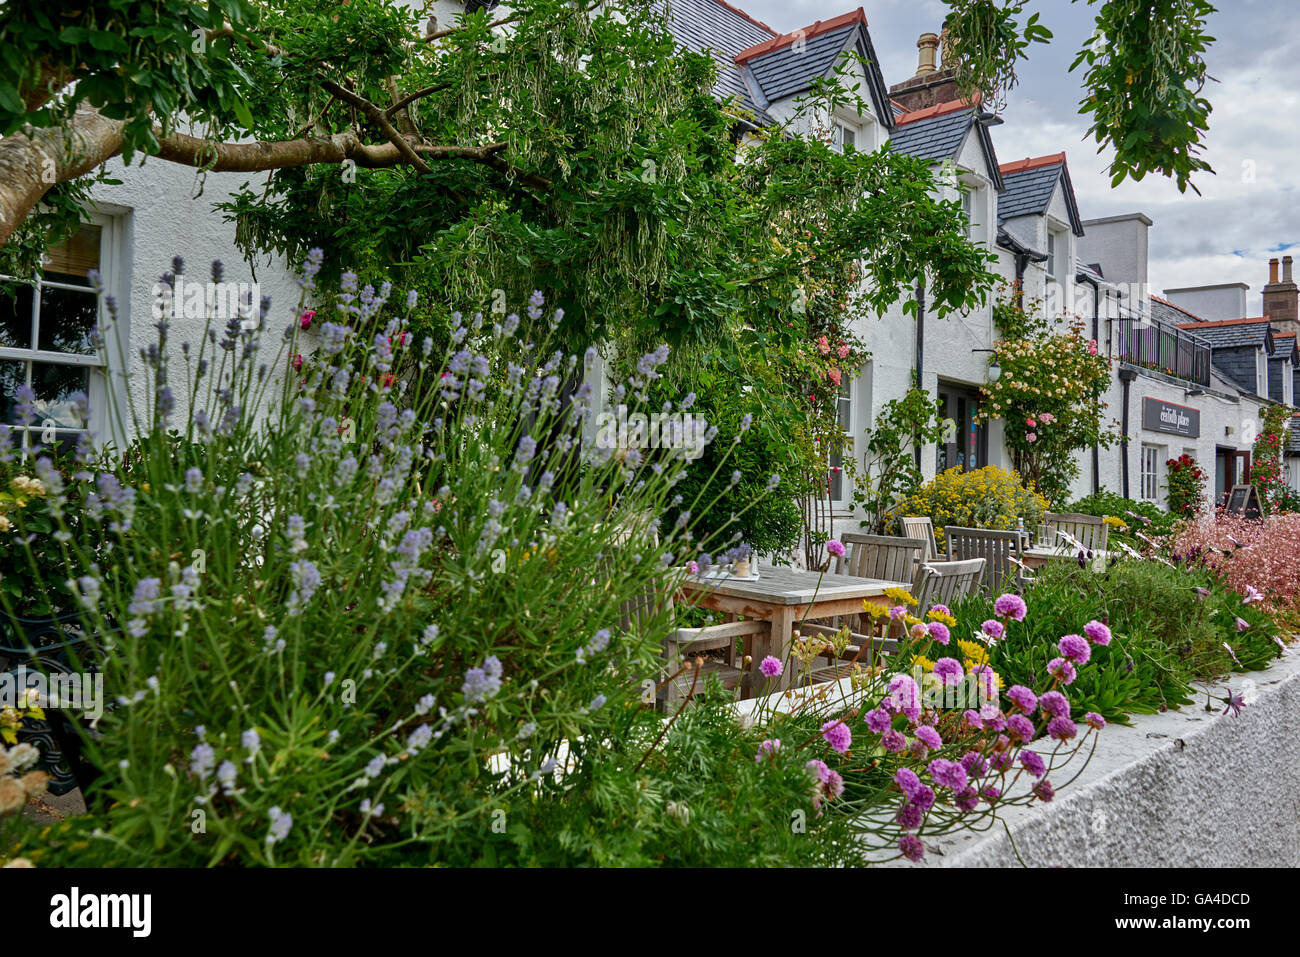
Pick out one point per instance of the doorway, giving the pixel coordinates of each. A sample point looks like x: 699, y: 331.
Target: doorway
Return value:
x: 1231, y: 467
x: 966, y: 441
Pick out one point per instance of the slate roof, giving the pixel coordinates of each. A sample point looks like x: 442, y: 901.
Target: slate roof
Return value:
x: 786, y: 70
x: 1284, y: 347
x: 1030, y: 184
x: 757, y: 66
x: 1089, y: 270
x: 1233, y: 333
x: 723, y: 31
x: 1170, y: 313
x: 934, y: 137
x: 938, y: 132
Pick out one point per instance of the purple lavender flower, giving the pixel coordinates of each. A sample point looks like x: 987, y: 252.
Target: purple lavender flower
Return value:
x: 1062, y: 670
x: 768, y: 749
x: 976, y: 764
x: 482, y: 683
x: 948, y: 670
x: 909, y: 817
x: 929, y: 737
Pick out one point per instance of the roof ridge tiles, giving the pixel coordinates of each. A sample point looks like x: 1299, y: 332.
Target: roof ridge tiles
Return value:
x: 1215, y: 323
x: 785, y: 39
x: 1028, y: 163
x: 751, y: 19
x: 939, y: 109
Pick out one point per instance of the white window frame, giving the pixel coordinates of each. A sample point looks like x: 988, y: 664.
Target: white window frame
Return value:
x: 116, y: 339
x: 842, y: 128
x: 1054, y: 252
x: 1261, y: 373
x: 1151, y: 471
x: 1288, y: 383
x: 845, y: 400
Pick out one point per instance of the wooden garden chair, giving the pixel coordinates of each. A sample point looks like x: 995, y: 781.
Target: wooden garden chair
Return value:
x: 946, y: 582
x: 1090, y: 531
x: 921, y: 527
x: 1000, y: 549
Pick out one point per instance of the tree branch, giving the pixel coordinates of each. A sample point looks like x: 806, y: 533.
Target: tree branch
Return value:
x: 31, y: 164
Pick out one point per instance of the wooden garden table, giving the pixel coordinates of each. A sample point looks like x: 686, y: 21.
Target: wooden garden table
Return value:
x: 783, y: 596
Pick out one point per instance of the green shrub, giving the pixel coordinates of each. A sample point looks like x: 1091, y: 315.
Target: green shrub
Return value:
x: 1167, y: 636
x: 989, y: 497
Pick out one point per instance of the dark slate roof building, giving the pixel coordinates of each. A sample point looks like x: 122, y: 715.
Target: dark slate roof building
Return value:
x: 1236, y: 345
x: 1029, y: 187
x: 757, y: 66
x: 938, y: 133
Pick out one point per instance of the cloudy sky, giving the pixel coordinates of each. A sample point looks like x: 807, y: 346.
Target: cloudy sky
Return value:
x: 1225, y: 235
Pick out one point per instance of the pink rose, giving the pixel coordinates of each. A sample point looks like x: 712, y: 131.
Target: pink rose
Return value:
x: 305, y: 319
x: 835, y: 377
x: 1092, y: 347
x: 1031, y: 438
x: 823, y: 346
x: 843, y: 350
x: 1030, y: 422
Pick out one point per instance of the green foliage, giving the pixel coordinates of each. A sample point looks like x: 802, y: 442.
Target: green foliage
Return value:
x: 1144, y: 74
x: 1186, y: 481
x: 1049, y: 397
x: 1167, y: 637
x: 139, y: 61
x: 1132, y: 516
x: 1266, y: 470
x: 986, y: 41
x: 1145, y: 71
x: 988, y: 497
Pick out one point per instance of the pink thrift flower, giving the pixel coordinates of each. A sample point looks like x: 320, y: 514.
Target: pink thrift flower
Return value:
x: 1012, y: 606
x: 835, y: 547
x: 770, y: 667
x: 837, y: 735
x: 767, y: 749
x: 939, y: 632
x: 1097, y: 633
x: 993, y: 629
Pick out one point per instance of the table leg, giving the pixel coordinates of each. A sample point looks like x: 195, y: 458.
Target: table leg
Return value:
x: 779, y: 641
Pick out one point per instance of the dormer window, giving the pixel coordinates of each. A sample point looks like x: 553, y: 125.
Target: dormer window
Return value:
x: 844, y: 136
x: 1055, y: 249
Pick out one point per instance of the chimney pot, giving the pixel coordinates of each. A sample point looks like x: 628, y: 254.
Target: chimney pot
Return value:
x: 1272, y: 271
x: 928, y: 44
x: 1286, y: 269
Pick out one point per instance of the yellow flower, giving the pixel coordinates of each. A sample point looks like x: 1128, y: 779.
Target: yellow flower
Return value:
x: 874, y: 609
x: 925, y: 663
x: 973, y: 653
x: 935, y: 615
x: 900, y: 595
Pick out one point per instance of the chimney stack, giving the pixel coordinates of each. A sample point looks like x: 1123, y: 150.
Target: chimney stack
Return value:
x: 1282, y: 298
x: 931, y: 85
x: 928, y: 44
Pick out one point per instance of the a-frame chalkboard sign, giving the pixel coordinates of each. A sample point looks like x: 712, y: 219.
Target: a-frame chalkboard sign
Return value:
x: 1244, y: 502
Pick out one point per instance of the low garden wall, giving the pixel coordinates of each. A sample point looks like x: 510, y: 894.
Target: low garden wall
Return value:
x: 1186, y: 788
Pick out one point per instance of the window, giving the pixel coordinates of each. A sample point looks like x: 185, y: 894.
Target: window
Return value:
x: 1288, y: 384
x: 1152, y: 458
x: 968, y: 210
x: 844, y: 411
x: 1261, y: 373
x: 844, y: 137
x: 1053, y: 252
x: 47, y: 329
